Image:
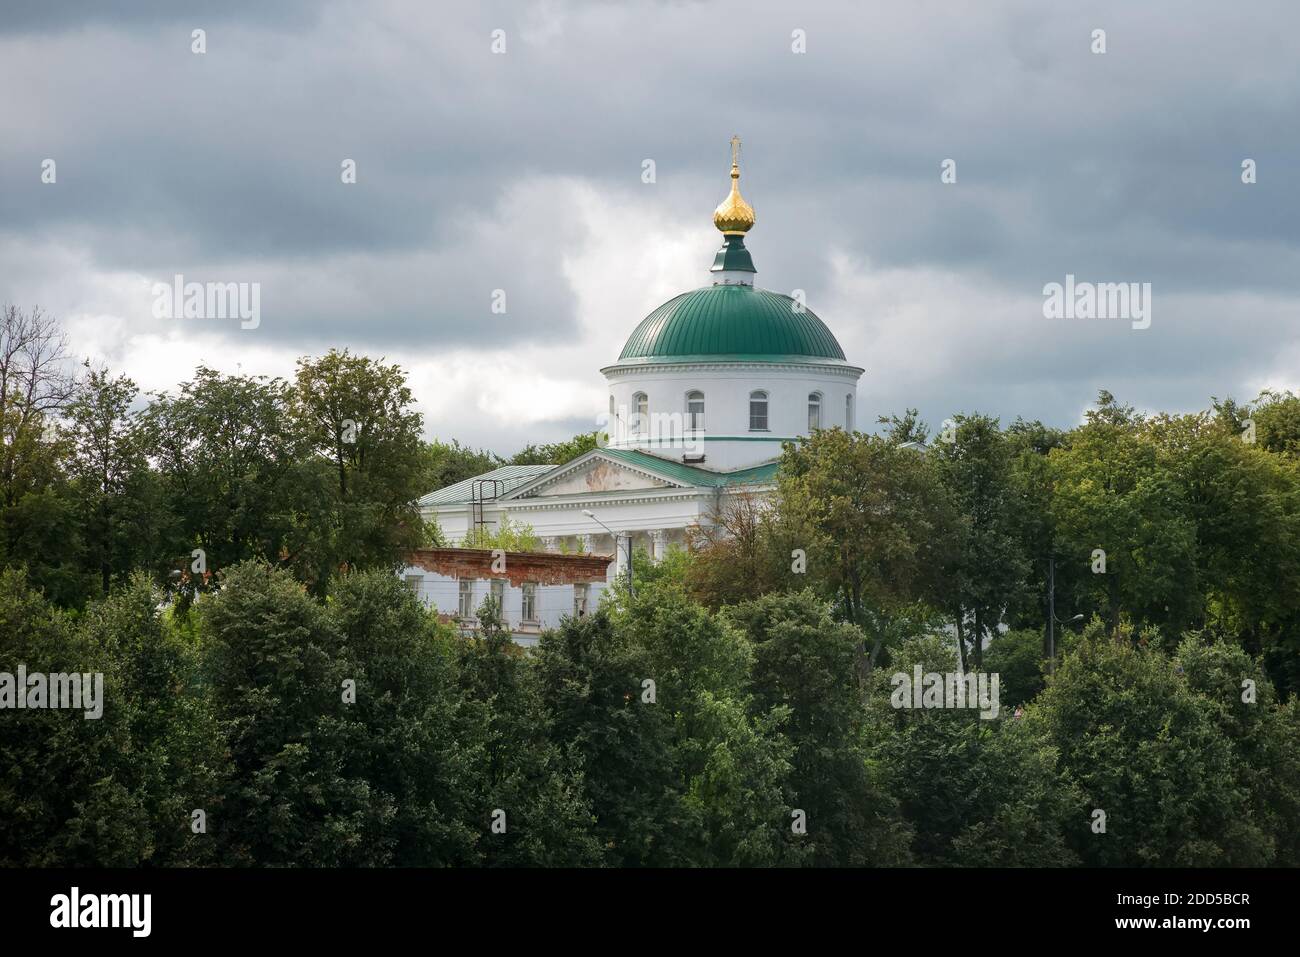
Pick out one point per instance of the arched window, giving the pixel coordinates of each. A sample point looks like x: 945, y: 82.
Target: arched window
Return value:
x: 640, y: 413
x: 848, y: 412
x: 814, y: 411
x: 694, y: 410
x: 758, y: 411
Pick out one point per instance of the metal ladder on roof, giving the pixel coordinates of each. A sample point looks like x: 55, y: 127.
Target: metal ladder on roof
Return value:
x: 477, y: 499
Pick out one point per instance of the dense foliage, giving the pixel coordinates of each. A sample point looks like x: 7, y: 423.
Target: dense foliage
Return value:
x: 274, y: 695
x: 357, y: 730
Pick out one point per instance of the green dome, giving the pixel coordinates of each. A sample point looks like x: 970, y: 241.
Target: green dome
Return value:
x: 732, y: 322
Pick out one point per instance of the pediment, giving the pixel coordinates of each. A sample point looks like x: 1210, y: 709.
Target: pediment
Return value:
x: 593, y: 474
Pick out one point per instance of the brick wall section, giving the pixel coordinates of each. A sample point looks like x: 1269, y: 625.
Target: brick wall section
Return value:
x: 544, y: 568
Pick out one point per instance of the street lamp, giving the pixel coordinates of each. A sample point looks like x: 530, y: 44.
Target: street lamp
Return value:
x: 1052, y: 620
x: 613, y: 534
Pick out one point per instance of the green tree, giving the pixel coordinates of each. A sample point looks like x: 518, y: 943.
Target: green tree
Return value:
x: 877, y: 523
x: 508, y: 535
x: 277, y: 666
x: 592, y: 678
x: 38, y: 524
x: 804, y: 661
x: 557, y: 453
x: 530, y: 789
x: 121, y: 513
x: 978, y: 792
x: 117, y: 790
x: 732, y: 759
x: 419, y: 742
x: 1264, y: 737
x: 1029, y: 446
x: 1111, y: 496
x: 1148, y: 751
x: 356, y: 413
x: 176, y: 762
x: 34, y: 388
x: 740, y: 552
x: 990, y: 570
x: 1275, y: 417
x: 230, y: 457
x: 1244, y: 502
x: 446, y: 463
x: 1017, y: 657
x: 43, y: 535
x: 57, y: 804
x: 908, y: 427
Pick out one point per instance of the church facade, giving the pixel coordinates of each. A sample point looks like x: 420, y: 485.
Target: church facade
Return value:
x: 705, y: 392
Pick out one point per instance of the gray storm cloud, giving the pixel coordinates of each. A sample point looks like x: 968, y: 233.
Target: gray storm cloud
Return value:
x: 522, y: 171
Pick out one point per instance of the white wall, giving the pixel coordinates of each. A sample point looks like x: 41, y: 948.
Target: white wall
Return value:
x: 728, y: 442
x: 554, y: 602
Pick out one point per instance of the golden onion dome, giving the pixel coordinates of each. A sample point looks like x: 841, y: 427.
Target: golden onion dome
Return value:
x: 734, y: 216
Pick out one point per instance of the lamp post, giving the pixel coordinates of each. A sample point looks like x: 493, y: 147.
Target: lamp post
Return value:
x: 1051, y: 614
x: 1052, y: 620
x: 588, y: 512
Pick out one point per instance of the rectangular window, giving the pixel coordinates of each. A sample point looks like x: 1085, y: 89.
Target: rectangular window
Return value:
x: 466, y: 598
x: 757, y: 414
x: 499, y: 596
x: 581, y: 593
x: 530, y: 601
x: 415, y: 583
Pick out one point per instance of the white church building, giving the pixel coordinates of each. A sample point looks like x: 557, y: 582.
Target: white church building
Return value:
x: 704, y: 393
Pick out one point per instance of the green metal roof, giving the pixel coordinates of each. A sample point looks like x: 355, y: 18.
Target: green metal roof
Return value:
x: 689, y: 474
x: 510, y: 476
x: 732, y: 321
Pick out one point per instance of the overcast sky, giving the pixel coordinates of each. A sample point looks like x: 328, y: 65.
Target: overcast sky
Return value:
x: 522, y: 171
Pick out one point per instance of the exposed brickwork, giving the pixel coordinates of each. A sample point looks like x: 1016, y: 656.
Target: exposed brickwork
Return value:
x: 544, y: 568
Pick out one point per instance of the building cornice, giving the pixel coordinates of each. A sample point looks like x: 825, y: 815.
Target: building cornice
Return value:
x: 544, y: 503
x: 675, y: 441
x: 713, y: 364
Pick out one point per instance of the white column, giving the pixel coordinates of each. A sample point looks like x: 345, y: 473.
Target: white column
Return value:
x: 659, y: 544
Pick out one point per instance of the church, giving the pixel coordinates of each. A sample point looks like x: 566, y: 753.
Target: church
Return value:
x: 704, y: 393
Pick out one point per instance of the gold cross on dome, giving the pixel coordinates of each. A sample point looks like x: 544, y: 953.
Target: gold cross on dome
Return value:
x: 735, y: 151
